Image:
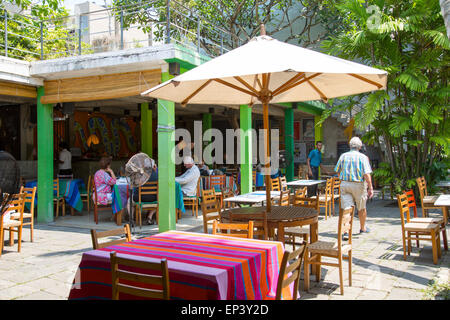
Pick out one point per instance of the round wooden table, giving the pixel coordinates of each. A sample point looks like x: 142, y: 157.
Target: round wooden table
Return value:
x: 279, y: 217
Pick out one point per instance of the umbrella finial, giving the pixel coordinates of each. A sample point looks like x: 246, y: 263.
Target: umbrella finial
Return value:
x: 262, y: 29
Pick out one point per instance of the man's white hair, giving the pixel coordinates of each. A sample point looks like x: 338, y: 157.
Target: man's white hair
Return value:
x: 355, y: 143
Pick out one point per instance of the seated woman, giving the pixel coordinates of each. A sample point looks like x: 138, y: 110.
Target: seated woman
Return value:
x: 104, y: 179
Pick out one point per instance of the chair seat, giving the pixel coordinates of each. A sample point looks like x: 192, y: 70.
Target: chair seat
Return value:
x: 421, y: 227
x: 293, y: 231
x: 213, y: 215
x: 321, y: 198
x: 11, y: 224
x: 430, y: 199
x: 335, y: 196
x: 189, y: 197
x: 427, y: 220
x: 328, y: 248
x: 17, y: 215
x: 152, y: 204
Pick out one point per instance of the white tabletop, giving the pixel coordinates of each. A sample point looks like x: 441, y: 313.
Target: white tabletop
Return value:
x: 305, y: 182
x: 443, y: 184
x: 253, y: 197
x: 443, y: 200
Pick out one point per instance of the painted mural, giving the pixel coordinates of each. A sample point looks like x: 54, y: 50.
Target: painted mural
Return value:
x: 117, y: 135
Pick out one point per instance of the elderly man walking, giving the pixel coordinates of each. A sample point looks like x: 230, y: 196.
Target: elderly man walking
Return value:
x: 354, y: 172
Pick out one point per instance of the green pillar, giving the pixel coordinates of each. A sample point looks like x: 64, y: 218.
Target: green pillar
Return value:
x: 166, y: 163
x: 289, y: 140
x: 146, y: 129
x: 45, y: 159
x: 206, y: 124
x: 246, y: 149
x: 318, y: 132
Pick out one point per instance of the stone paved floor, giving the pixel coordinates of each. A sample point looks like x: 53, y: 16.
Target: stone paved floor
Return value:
x: 46, y: 267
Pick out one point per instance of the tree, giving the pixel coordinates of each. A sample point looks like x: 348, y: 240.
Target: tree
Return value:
x: 227, y: 22
x: 410, y: 119
x: 47, y: 18
x: 445, y: 9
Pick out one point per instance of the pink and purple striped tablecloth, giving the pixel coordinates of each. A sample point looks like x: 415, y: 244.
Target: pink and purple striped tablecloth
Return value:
x: 201, y: 267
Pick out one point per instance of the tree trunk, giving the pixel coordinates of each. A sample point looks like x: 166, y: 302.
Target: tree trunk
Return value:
x: 445, y: 11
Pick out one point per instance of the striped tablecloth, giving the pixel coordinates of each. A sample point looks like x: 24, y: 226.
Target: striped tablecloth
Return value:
x: 69, y: 188
x: 201, y: 267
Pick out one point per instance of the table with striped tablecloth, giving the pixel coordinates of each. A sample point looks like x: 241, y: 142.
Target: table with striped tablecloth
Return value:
x: 201, y: 267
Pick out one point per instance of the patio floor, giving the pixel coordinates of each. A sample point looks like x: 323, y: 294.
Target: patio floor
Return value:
x: 45, y: 268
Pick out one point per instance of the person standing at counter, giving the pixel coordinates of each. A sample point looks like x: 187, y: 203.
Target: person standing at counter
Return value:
x: 65, y: 160
x: 104, y: 179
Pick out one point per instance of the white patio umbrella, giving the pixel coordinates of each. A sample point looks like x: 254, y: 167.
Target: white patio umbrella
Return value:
x: 265, y: 71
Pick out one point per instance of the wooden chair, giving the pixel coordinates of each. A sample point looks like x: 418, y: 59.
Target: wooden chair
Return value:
x: 30, y: 194
x: 218, y: 182
x: 17, y: 204
x: 300, y: 200
x: 317, y: 249
x: 254, y: 180
x: 210, y: 208
x: 226, y: 193
x: 283, y: 183
x: 336, y: 193
x: 417, y: 231
x: 86, y: 196
x: 412, y: 201
x: 97, y: 206
x: 284, y: 199
x: 96, y: 235
x: 290, y: 273
x: 148, y: 188
x: 192, y: 201
x: 326, y: 199
x: 275, y: 184
x: 440, y: 221
x: 238, y: 230
x: 302, y: 173
x: 58, y: 199
x: 261, y: 228
x: 426, y: 201
x: 154, y: 286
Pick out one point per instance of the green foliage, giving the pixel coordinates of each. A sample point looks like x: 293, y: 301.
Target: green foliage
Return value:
x: 24, y: 31
x: 407, y: 38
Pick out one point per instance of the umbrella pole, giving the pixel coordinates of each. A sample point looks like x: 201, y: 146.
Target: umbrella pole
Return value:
x: 267, y: 164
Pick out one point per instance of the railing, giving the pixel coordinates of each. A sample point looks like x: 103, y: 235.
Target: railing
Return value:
x: 146, y: 24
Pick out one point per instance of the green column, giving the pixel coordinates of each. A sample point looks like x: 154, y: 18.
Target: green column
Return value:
x: 318, y: 132
x: 45, y: 159
x: 206, y: 124
x: 246, y: 149
x: 166, y: 163
x: 289, y: 140
x: 146, y: 130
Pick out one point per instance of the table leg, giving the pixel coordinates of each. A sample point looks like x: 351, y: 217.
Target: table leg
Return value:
x: 119, y: 218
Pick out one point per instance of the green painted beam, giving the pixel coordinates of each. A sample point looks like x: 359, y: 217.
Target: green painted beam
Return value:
x: 246, y: 149
x: 146, y: 129
x: 166, y: 163
x: 313, y: 107
x: 289, y: 140
x: 45, y: 159
x: 206, y: 124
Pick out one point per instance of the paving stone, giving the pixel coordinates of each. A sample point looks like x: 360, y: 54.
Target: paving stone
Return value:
x: 42, y: 295
x: 404, y: 294
x: 368, y: 294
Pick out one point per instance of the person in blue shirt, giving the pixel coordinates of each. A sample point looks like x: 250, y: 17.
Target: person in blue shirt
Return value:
x: 314, y: 161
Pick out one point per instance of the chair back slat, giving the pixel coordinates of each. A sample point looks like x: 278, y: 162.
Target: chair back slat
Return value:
x: 30, y: 195
x: 411, y: 201
x: 239, y: 230
x: 283, y: 183
x: 209, y: 201
x: 336, y: 186
x: 96, y: 235
x: 290, y: 273
x: 300, y: 199
x: 159, y: 289
x: 345, y: 224
x: 275, y: 184
x: 403, y: 205
x: 56, y: 187
x: 284, y: 198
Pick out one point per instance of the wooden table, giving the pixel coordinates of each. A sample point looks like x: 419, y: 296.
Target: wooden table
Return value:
x: 252, y: 198
x: 201, y: 267
x: 278, y: 218
x: 444, y: 202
